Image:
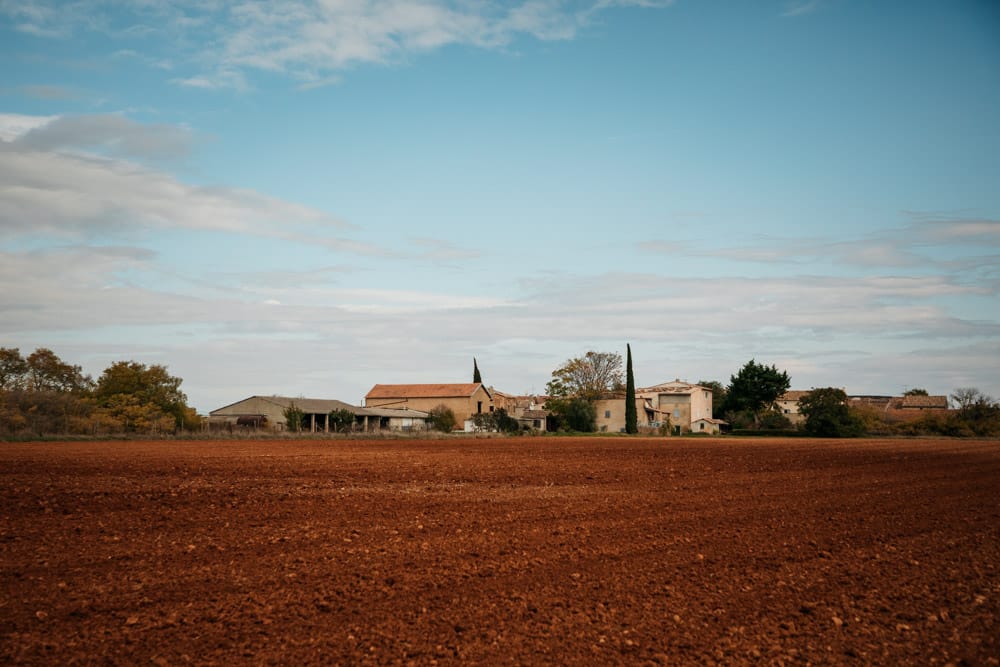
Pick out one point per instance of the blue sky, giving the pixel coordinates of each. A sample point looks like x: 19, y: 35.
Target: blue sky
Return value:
x: 309, y: 198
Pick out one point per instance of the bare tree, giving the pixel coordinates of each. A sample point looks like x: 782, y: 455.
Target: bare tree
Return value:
x: 967, y: 397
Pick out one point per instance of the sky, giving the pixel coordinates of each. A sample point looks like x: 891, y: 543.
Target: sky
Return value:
x: 310, y: 197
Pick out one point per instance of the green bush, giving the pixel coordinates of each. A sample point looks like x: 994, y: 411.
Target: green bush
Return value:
x: 442, y: 418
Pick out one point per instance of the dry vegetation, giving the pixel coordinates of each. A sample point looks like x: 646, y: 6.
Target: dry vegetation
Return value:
x: 521, y: 551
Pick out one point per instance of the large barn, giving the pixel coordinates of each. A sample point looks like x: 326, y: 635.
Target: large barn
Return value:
x: 465, y: 400
x: 268, y: 412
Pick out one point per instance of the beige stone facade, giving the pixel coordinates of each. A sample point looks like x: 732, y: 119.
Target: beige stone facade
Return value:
x: 682, y: 403
x: 788, y: 405
x: 610, y: 411
x: 465, y: 400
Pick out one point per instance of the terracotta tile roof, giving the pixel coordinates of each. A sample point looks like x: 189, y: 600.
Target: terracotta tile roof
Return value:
x: 674, y: 387
x: 878, y: 402
x: 940, y: 402
x: 392, y: 412
x: 794, y: 395
x: 424, y: 390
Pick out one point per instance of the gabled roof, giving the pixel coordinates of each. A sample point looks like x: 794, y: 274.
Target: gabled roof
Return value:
x: 672, y: 387
x: 307, y: 405
x: 940, y: 402
x: 318, y: 406
x: 426, y: 390
x: 794, y: 395
x: 883, y: 403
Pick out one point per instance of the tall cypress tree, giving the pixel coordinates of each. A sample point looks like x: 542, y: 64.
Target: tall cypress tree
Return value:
x: 476, y: 377
x: 631, y: 418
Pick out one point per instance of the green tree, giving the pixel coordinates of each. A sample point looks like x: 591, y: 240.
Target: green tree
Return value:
x: 151, y: 385
x: 587, y: 377
x: 131, y: 414
x: 573, y: 413
x: 915, y: 392
x: 42, y: 394
x: 442, y: 418
x: 772, y: 420
x: 631, y: 415
x: 47, y: 372
x: 341, y: 420
x: 755, y: 388
x: 498, y: 421
x: 44, y: 412
x: 294, y: 416
x: 476, y: 377
x: 13, y: 369
x: 504, y: 422
x: 828, y: 415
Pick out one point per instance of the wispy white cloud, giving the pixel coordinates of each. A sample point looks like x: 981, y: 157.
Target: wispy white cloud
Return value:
x: 13, y: 126
x: 970, y: 230
x: 439, y: 250
x: 108, y: 133
x: 132, y: 54
x: 795, y: 8
x: 51, y: 183
x: 916, y: 244
x: 310, y: 40
x: 827, y: 330
x: 221, y: 77
x: 79, y: 176
x: 48, y: 92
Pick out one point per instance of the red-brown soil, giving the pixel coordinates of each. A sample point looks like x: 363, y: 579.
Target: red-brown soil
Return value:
x: 522, y: 551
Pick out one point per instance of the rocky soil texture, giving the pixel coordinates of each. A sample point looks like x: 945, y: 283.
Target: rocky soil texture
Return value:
x: 496, y: 551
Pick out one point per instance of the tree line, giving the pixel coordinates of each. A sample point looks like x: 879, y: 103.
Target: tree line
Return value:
x: 43, y: 395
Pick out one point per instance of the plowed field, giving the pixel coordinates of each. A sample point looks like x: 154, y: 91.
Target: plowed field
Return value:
x: 496, y: 551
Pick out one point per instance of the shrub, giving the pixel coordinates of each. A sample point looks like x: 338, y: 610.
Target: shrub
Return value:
x: 442, y: 418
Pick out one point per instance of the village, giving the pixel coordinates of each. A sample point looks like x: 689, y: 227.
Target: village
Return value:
x: 670, y: 408
x: 40, y: 394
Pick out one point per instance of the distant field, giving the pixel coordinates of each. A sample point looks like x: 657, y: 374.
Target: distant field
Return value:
x: 521, y: 551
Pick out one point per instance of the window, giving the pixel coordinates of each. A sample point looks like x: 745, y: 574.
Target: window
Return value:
x: 607, y: 414
x: 479, y: 407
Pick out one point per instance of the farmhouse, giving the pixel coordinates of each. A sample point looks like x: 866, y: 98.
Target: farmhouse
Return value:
x: 682, y: 402
x: 533, y: 420
x: 788, y: 405
x: 268, y: 412
x: 610, y: 411
x: 465, y: 400
x: 708, y: 425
